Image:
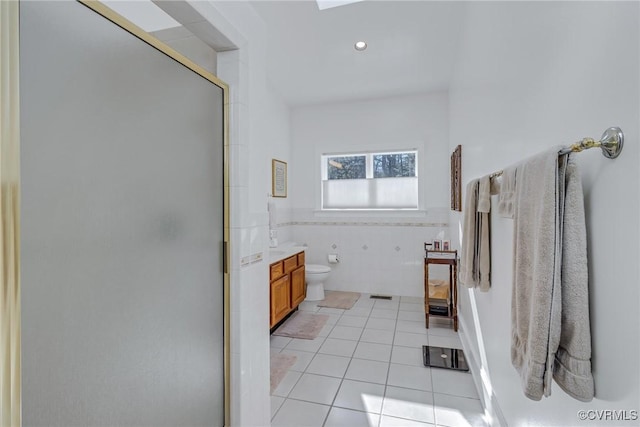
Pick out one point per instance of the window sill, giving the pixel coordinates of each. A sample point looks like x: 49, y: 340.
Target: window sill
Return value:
x: 369, y: 213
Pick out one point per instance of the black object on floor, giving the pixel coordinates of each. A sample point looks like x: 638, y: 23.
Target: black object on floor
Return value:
x: 439, y: 310
x: 446, y: 358
x: 380, y: 297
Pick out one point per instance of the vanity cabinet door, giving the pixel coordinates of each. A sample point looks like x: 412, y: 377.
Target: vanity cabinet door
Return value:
x: 280, y: 304
x: 297, y: 286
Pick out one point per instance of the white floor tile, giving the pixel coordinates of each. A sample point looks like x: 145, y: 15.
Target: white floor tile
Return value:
x: 333, y: 319
x: 408, y: 339
x: 279, y: 342
x: 407, y: 356
x: 415, y: 316
x: 377, y: 347
x: 276, y: 403
x: 305, y: 345
x: 413, y: 300
x: 444, y: 330
x: 409, y: 306
x: 364, y: 303
x: 386, y: 421
x: 303, y: 358
x: 454, y: 383
x: 406, y: 403
x: 360, y: 396
x: 446, y: 342
x: 441, y: 322
x: 377, y: 336
x: 287, y: 383
x: 415, y: 377
x: 411, y: 326
x: 358, y: 311
x: 388, y: 304
x: 346, y: 333
x: 326, y: 364
x: 316, y: 389
x: 338, y: 347
x: 373, y: 351
x: 384, y: 324
x: 384, y: 313
x: 453, y: 411
x: 294, y: 413
x: 356, y: 322
x: 326, y: 329
x: 340, y: 417
x: 367, y: 370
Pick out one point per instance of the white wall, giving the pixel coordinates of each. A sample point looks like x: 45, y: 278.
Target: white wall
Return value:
x: 530, y: 76
x: 274, y: 143
x: 380, y: 252
x: 189, y: 45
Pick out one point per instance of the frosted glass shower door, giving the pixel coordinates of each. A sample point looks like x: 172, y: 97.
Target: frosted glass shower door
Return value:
x: 122, y: 228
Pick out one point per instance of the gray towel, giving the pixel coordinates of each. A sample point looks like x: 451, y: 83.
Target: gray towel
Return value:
x: 475, y: 259
x: 484, y: 233
x: 550, y: 334
x: 572, y: 366
x: 535, y: 299
x: 468, y: 258
x: 484, y: 194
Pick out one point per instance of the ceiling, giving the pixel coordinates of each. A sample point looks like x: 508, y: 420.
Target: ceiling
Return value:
x: 311, y: 58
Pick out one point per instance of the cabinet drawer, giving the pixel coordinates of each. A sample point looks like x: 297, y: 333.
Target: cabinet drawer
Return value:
x: 301, y: 258
x: 290, y: 264
x: 276, y: 270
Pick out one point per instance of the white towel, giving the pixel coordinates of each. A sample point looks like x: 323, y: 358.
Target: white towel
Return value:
x: 550, y: 334
x: 271, y: 207
x: 468, y: 258
x: 506, y: 198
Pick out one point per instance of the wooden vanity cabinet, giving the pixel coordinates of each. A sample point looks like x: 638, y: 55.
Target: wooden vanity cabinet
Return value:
x: 297, y: 286
x: 280, y: 299
x: 287, y: 287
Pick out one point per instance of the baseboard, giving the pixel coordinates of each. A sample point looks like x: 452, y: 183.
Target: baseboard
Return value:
x: 492, y: 407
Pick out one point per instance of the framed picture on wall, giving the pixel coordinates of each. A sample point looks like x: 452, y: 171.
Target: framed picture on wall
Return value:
x: 278, y: 178
x: 456, y: 179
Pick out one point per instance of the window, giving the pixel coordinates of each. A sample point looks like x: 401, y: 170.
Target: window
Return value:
x: 387, y: 180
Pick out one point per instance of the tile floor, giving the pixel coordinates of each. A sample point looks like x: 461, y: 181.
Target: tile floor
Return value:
x: 365, y: 369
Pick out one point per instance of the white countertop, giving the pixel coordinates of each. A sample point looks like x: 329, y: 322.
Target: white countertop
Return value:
x: 284, y: 250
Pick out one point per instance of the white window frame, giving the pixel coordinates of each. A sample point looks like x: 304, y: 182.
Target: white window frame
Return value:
x: 369, y: 177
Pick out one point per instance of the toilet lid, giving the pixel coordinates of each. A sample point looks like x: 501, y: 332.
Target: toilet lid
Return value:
x: 316, y: 268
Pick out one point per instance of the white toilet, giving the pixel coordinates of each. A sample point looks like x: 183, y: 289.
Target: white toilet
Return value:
x: 315, y: 275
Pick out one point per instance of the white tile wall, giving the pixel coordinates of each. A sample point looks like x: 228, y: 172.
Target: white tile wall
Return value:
x: 384, y: 259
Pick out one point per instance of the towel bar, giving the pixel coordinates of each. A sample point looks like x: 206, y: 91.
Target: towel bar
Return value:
x: 611, y: 143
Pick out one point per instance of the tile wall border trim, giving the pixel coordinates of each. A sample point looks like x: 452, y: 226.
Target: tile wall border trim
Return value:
x: 366, y: 224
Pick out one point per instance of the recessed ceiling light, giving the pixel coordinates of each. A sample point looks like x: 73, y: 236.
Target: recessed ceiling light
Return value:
x: 360, y: 46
